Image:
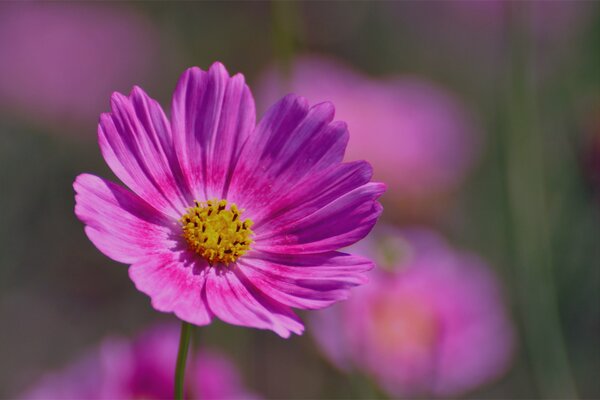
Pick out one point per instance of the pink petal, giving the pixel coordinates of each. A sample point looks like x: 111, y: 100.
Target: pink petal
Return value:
x: 212, y: 115
x: 310, y: 281
x: 175, y: 282
x: 340, y: 223
x: 135, y: 140
x: 234, y: 299
x: 311, y: 194
x: 290, y: 142
x: 118, y: 222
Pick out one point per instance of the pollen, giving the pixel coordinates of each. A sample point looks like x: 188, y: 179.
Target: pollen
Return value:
x: 215, y: 230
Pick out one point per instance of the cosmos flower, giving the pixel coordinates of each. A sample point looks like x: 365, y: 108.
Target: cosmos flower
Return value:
x: 60, y: 61
x: 420, y: 138
x: 224, y: 218
x: 141, y: 369
x: 431, y: 323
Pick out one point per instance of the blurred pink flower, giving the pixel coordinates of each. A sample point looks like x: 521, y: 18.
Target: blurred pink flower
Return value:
x: 419, y: 138
x: 432, y: 323
x: 61, y: 61
x: 141, y: 369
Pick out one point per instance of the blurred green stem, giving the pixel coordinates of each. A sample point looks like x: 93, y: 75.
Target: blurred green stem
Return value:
x: 530, y: 218
x: 284, y: 31
x: 184, y: 344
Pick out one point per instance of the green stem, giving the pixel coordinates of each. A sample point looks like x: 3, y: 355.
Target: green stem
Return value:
x: 184, y: 344
x: 531, y: 220
x: 284, y: 28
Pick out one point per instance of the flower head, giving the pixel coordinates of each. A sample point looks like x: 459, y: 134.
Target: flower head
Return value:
x: 141, y: 369
x: 433, y: 324
x: 225, y: 218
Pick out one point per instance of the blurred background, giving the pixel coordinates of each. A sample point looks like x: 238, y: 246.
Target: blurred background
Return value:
x: 483, y: 118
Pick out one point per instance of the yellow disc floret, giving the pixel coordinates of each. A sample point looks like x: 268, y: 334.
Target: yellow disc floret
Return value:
x: 216, y: 231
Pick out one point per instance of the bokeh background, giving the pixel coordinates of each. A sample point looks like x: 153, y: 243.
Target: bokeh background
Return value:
x: 483, y: 117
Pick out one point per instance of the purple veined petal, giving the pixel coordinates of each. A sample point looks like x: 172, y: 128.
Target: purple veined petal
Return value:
x: 311, y: 194
x: 118, y: 222
x: 340, y: 223
x: 290, y: 142
x: 175, y: 281
x: 234, y: 299
x: 312, y: 281
x: 135, y: 140
x: 212, y: 115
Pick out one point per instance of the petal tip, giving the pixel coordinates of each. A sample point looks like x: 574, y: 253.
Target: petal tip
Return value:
x: 137, y: 91
x: 219, y: 67
x: 116, y: 98
x: 286, y: 332
x: 326, y: 107
x: 381, y: 188
x: 294, y: 99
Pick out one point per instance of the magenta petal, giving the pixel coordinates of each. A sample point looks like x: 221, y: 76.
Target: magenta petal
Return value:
x: 290, y: 142
x: 340, y: 223
x: 118, y: 222
x: 174, y: 285
x: 234, y: 299
x: 212, y: 115
x: 311, y: 281
x: 135, y: 140
x: 311, y: 194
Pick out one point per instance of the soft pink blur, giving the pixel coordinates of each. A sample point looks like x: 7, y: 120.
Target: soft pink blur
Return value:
x: 430, y: 322
x: 419, y: 138
x: 61, y: 61
x: 144, y: 368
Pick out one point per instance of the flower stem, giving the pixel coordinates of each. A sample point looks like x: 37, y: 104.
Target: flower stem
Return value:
x: 184, y: 344
x: 531, y: 216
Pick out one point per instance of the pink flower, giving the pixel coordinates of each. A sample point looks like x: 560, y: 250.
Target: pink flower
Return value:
x: 142, y: 369
x: 224, y: 218
x: 419, y: 138
x: 61, y: 60
x: 432, y: 325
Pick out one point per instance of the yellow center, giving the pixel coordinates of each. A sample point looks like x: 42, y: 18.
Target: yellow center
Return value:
x: 217, y: 232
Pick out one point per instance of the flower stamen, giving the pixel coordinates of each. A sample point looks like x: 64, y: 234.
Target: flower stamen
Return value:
x: 216, y: 232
